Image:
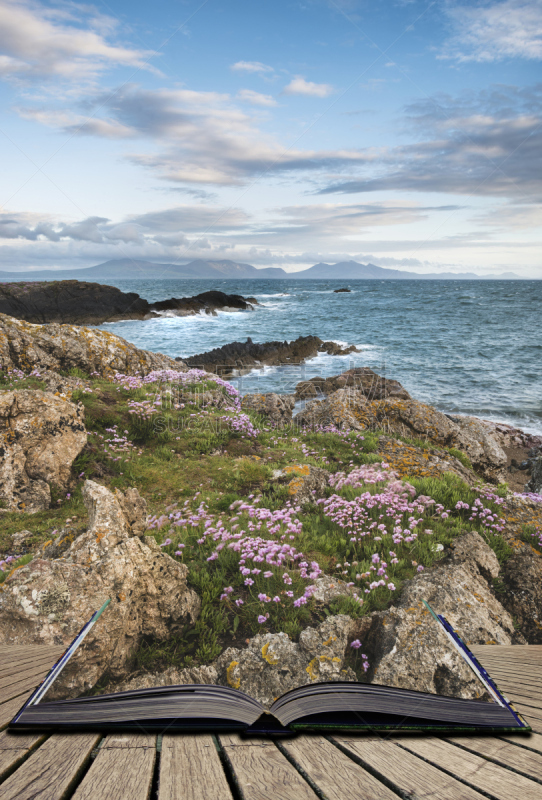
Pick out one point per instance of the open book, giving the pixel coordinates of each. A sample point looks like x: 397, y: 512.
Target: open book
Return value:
x: 319, y: 707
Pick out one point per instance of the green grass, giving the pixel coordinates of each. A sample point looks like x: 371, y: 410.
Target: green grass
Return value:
x: 179, y: 452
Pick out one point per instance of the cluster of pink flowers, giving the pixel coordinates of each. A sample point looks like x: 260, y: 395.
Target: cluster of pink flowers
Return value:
x: 241, y: 423
x: 5, y: 562
x: 480, y: 513
x: 356, y: 644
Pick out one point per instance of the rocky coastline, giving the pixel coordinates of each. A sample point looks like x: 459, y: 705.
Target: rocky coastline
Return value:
x: 82, y: 303
x: 243, y: 541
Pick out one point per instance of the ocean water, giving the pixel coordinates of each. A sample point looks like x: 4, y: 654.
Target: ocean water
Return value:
x: 468, y: 347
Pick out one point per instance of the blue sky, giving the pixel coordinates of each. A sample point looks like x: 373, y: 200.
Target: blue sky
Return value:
x: 406, y: 133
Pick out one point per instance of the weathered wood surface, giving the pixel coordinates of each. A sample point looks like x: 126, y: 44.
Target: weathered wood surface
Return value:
x: 122, y: 770
x: 190, y: 769
x: 262, y: 771
x: 228, y: 767
x: 335, y: 774
x: 13, y: 750
x: 473, y: 769
x: 409, y: 775
x: 51, y: 770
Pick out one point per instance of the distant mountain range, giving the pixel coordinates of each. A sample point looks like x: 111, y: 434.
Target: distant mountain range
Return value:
x: 127, y: 269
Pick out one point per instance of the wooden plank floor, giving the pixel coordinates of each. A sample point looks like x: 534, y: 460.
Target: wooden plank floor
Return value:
x: 85, y: 766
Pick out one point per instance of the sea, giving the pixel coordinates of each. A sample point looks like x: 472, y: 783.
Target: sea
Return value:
x: 465, y: 347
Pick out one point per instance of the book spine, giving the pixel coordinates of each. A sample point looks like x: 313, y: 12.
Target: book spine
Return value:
x: 57, y: 668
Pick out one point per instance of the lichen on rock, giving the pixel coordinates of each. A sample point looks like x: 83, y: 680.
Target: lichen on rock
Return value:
x: 40, y: 436
x: 49, y: 600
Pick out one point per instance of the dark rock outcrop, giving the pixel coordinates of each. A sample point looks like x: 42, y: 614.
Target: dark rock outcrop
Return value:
x: 79, y: 302
x: 522, y: 595
x: 339, y: 291
x: 244, y: 356
x: 535, y: 484
x: 371, y: 385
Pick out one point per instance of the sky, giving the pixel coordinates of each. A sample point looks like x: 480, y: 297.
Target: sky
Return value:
x: 405, y: 133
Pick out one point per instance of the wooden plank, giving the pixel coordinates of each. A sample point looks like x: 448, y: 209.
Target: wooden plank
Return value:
x: 503, y: 752
x: 27, y: 672
x: 409, y: 775
x: 184, y: 761
x: 262, y: 772
x: 52, y: 770
x: 484, y: 775
x: 122, y: 770
x: 333, y: 772
x: 14, y: 748
x: 21, y: 687
x: 10, y: 708
x: 533, y: 741
x: 9, y: 667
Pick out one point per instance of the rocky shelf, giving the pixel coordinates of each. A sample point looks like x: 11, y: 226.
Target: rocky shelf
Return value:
x: 241, y: 357
x: 81, y: 303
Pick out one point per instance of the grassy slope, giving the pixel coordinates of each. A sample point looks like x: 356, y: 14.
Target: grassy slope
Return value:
x: 190, y: 454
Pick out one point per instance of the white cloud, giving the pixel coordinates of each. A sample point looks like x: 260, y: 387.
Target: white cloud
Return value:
x: 251, y: 66
x: 38, y: 42
x: 491, y: 32
x: 299, y: 85
x: 255, y: 98
x: 203, y: 137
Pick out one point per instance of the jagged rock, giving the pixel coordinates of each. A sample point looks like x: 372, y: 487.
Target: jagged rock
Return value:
x: 535, y: 484
x: 244, y: 356
x: 350, y: 408
x: 408, y: 459
x: 40, y: 436
x: 84, y: 303
x: 371, y: 385
x: 328, y: 589
x: 271, y: 664
x: 25, y: 346
x: 340, y: 410
x: 305, y: 482
x: 276, y: 407
x: 49, y: 600
x: 406, y: 647
x: 169, y: 677
x: 19, y: 540
x: 522, y: 596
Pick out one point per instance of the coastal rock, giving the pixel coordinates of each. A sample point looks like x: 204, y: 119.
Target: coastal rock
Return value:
x: 69, y: 301
x: 206, y: 302
x: 26, y: 347
x: 83, y: 303
x: 535, y: 484
x: 351, y: 408
x: 272, y: 664
x: 371, y: 385
x: 40, y: 436
x: 19, y: 540
x: 405, y: 646
x: 305, y: 482
x: 522, y: 596
x: 423, y: 462
x: 338, y: 291
x: 49, y: 600
x: 277, y: 408
x: 168, y: 677
x: 339, y: 410
x: 244, y: 356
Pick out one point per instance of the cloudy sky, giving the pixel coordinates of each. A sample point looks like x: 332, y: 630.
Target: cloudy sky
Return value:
x: 407, y: 133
